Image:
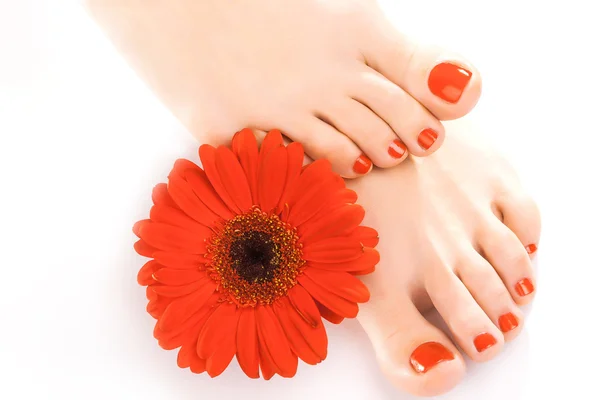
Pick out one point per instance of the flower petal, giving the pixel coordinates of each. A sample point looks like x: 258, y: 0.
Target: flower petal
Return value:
x: 178, y: 291
x: 315, y: 198
x: 183, y: 308
x: 272, y: 140
x: 244, y: 146
x: 178, y: 260
x: 144, y: 249
x: 183, y: 195
x: 367, y: 260
x: 221, y: 358
x: 177, y: 277
x: 334, y: 250
x: 156, y: 307
x: 198, y: 365
x: 304, y: 305
x: 367, y: 236
x: 176, y: 217
x: 340, y: 222
x: 340, y: 283
x: 203, y: 189
x: 208, y: 155
x: 267, y: 365
x: 161, y: 196
x: 335, y: 303
x: 295, y: 157
x: 271, y: 178
x: 270, y: 330
x: 316, y: 337
x: 186, y: 354
x: 297, y: 342
x: 233, y: 178
x: 364, y: 271
x: 188, y: 330
x: 247, y: 343
x: 169, y: 237
x: 144, y: 276
x: 222, y: 322
x: 329, y: 315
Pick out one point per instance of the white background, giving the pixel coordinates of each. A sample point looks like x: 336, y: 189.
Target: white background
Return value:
x: 82, y: 141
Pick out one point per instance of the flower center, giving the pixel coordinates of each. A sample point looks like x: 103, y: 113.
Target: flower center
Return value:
x: 255, y: 258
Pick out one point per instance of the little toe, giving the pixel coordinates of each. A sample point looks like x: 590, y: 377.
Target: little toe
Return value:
x: 471, y: 327
x: 488, y: 290
x: 367, y: 130
x: 503, y: 249
x: 447, y: 84
x: 419, y: 130
x: 413, y: 354
x: 522, y: 216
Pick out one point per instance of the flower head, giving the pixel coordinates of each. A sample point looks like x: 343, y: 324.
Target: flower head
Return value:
x: 249, y: 253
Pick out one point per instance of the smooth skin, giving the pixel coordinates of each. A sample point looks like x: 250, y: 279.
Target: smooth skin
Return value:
x: 334, y: 75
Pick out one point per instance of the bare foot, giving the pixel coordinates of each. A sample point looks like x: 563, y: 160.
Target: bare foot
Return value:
x: 334, y: 75
x: 456, y: 229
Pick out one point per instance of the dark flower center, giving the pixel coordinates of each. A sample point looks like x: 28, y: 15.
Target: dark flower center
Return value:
x: 254, y: 257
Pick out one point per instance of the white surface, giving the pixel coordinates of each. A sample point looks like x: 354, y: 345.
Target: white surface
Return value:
x: 82, y: 141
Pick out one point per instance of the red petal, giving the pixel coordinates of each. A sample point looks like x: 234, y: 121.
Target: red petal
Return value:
x: 176, y: 217
x: 222, y: 322
x: 247, y: 343
x: 329, y: 315
x: 177, y: 291
x: 206, y: 193
x: 330, y: 300
x: 180, y: 260
x: 367, y: 236
x: 177, y: 277
x: 198, y: 365
x: 233, y: 178
x: 144, y: 249
x: 183, y: 195
x: 340, y: 222
x: 334, y: 250
x: 340, y: 283
x: 318, y: 196
x: 208, y: 156
x: 272, y: 141
x: 364, y: 271
x: 183, y: 308
x: 144, y: 277
x: 168, y: 237
x: 137, y: 227
x: 244, y: 146
x: 316, y: 337
x: 304, y: 305
x: 186, y: 354
x: 161, y: 196
x: 188, y: 330
x: 295, y: 157
x: 271, y: 178
x: 278, y: 347
x: 267, y: 366
x: 221, y: 358
x: 297, y: 342
x: 367, y: 260
x: 348, y: 196
x: 157, y: 306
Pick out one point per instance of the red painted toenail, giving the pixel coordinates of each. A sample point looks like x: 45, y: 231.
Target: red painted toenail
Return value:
x: 447, y: 81
x: 484, y: 341
x: 427, y: 138
x: 531, y: 248
x: 524, y: 287
x: 508, y: 322
x: 397, y: 149
x: 362, y: 165
x: 428, y: 355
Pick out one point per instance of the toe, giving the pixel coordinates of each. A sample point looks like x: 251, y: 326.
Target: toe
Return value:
x: 504, y: 251
x: 447, y: 84
x: 367, y: 130
x: 490, y: 293
x: 418, y: 129
x: 413, y: 354
x: 321, y: 140
x: 521, y: 215
x: 473, y: 330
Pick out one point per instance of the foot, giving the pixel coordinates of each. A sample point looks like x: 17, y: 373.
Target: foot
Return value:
x: 334, y: 75
x: 452, y: 237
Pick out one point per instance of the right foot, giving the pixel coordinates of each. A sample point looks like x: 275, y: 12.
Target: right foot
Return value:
x: 334, y: 75
x: 451, y: 237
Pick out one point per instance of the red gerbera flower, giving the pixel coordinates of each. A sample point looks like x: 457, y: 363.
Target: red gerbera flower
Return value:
x: 249, y: 253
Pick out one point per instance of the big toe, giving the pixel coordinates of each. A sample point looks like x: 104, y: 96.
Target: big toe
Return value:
x: 445, y: 83
x: 413, y: 354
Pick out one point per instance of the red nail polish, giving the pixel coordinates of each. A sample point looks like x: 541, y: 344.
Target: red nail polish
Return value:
x: 524, y: 287
x: 428, y: 355
x: 484, y: 341
x: 447, y: 81
x: 426, y: 138
x: 531, y: 248
x: 362, y: 165
x: 508, y: 322
x: 397, y: 149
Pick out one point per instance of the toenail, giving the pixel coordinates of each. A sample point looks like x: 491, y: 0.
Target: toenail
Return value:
x: 524, y: 287
x: 362, y: 165
x: 427, y: 138
x: 484, y: 341
x: 447, y: 81
x: 531, y: 248
x: 428, y: 355
x: 397, y: 149
x: 508, y: 322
